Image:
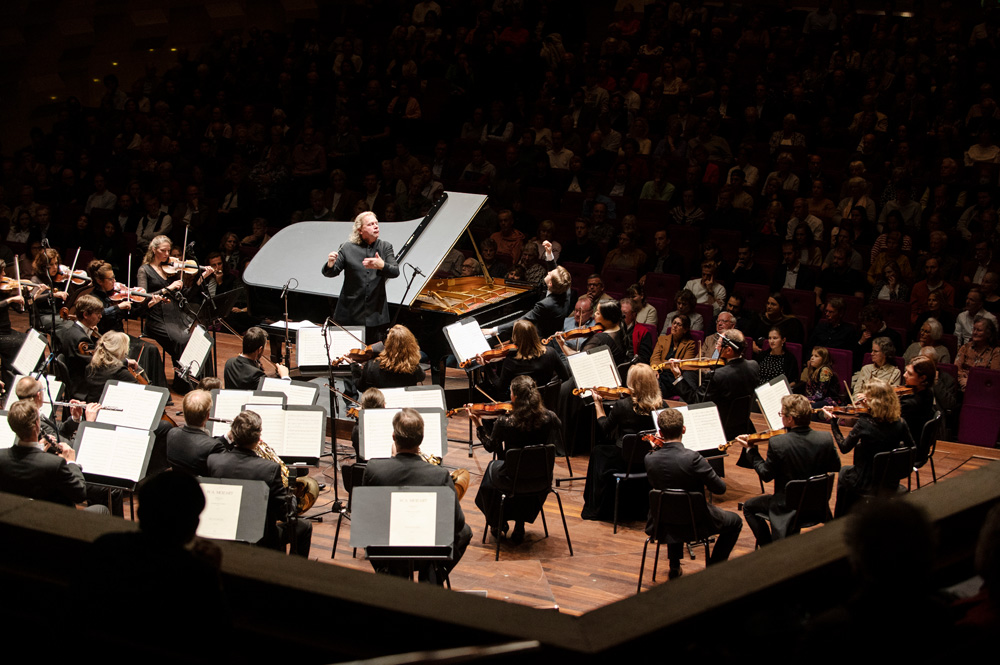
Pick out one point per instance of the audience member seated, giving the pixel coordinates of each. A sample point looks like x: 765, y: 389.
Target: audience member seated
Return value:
x: 980, y: 351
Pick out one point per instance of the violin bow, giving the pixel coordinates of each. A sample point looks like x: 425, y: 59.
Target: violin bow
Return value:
x: 487, y: 395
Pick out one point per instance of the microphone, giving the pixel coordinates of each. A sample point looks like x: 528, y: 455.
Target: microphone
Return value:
x: 45, y: 243
x: 416, y: 270
x: 284, y: 289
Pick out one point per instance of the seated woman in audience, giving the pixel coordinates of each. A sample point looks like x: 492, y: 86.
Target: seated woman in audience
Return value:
x: 689, y: 212
x: 818, y: 382
x: 890, y: 286
x: 929, y: 335
x: 777, y: 314
x: 805, y: 244
x: 685, y: 301
x: 881, y: 429
x: 935, y: 309
x: 627, y: 255
x: 980, y: 351
x: 883, y: 365
x: 397, y: 366
x: 528, y: 424
x: 778, y: 360
x: 677, y: 343
x: 629, y: 415
x: 644, y: 312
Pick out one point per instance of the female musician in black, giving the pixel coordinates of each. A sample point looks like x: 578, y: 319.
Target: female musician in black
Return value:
x: 529, y: 424
x: 541, y: 363
x: 397, y: 366
x: 166, y: 322
x: 917, y: 408
x: 109, y: 362
x: 607, y: 315
x: 629, y: 415
x: 49, y: 296
x: 10, y: 339
x: 116, y: 312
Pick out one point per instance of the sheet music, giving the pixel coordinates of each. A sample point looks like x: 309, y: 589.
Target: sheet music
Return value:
x: 221, y: 514
x: 229, y: 403
x: 375, y: 434
x: 7, y: 436
x: 295, y: 325
x: 297, y: 394
x: 769, y: 396
x: 432, y: 443
x: 272, y: 422
x: 140, y: 408
x: 30, y: 353
x: 196, y: 350
x: 116, y: 453
x: 704, y: 427
x: 595, y: 369
x: 55, y: 386
x: 412, y: 519
x: 311, y: 350
x: 466, y: 338
x: 429, y: 397
x: 303, y: 434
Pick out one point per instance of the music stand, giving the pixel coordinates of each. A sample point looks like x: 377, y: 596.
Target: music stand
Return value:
x: 211, y: 314
x: 234, y: 509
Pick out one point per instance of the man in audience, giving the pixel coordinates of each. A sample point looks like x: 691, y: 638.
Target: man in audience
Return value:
x: 973, y: 309
x: 832, y: 331
x: 792, y: 274
x: 933, y: 281
x: 723, y: 322
x: 839, y: 277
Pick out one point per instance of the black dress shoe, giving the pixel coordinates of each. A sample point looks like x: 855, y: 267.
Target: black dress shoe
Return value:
x: 674, y: 573
x: 517, y: 536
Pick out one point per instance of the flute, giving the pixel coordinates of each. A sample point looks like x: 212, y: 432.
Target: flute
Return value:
x: 228, y: 421
x: 82, y: 406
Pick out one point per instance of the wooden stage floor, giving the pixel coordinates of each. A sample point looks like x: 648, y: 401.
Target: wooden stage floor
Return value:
x: 540, y: 572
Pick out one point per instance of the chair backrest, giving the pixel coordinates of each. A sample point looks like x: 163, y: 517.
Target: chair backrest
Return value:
x: 811, y: 500
x: 707, y: 313
x: 802, y: 303
x: 895, y: 314
x: 983, y: 388
x: 950, y: 342
x: 579, y: 272
x: 889, y: 467
x: 796, y: 351
x: 679, y: 515
x: 928, y: 437
x: 662, y: 307
x: 852, y: 304
x: 354, y: 476
x: 754, y: 295
x: 635, y: 449
x: 842, y: 362
x: 662, y: 285
x: 531, y: 468
x: 617, y: 281
x: 698, y: 336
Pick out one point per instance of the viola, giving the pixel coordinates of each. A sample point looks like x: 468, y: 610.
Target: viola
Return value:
x: 654, y: 440
x: 694, y: 364
x: 10, y: 283
x: 497, y: 353
x: 483, y: 409
x: 849, y: 411
x: 576, y: 333
x: 604, y: 392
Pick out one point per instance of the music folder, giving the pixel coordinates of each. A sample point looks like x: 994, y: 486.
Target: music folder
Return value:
x: 769, y: 399
x: 295, y: 433
x: 299, y: 393
x: 234, y: 509
x: 30, y: 353
x: 704, y: 427
x: 310, y: 349
x: 7, y: 436
x: 414, y: 397
x: 466, y: 339
x: 112, y: 455
x: 141, y: 406
x: 196, y: 351
x: 375, y: 432
x: 227, y: 403
x: 594, y: 368
x: 404, y: 522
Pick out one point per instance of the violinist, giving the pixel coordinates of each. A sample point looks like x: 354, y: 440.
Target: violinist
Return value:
x: 582, y: 317
x: 48, y: 297
x: 397, y: 366
x: 243, y: 372
x: 166, y: 322
x: 676, y: 342
x: 541, y: 363
x: 10, y: 339
x: 798, y: 454
x: 77, y: 340
x: 529, y: 424
x: 608, y: 316
x: 629, y: 415
x: 918, y: 407
x: 881, y: 429
x: 117, y: 310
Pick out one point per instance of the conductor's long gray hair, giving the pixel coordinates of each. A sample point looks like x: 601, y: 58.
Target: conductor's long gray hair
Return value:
x: 359, y: 221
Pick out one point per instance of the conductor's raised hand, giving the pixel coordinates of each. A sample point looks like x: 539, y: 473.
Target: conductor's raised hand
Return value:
x: 331, y: 259
x: 375, y: 262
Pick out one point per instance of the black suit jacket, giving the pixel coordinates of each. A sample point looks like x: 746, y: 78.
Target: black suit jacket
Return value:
x: 548, y: 314
x: 797, y: 455
x: 70, y: 337
x: 407, y: 469
x: 731, y: 389
x: 30, y: 471
x: 804, y: 281
x: 362, y: 300
x: 188, y: 449
x: 674, y: 467
x: 242, y: 374
x: 243, y: 464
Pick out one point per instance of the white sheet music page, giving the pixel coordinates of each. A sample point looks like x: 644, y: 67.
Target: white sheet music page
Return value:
x: 432, y: 444
x: 304, y: 432
x: 592, y: 370
x: 311, y: 349
x: 704, y: 427
x: 376, y: 432
x: 29, y: 354
x: 297, y: 395
x: 139, y: 407
x: 431, y: 397
x: 412, y: 519
x: 221, y: 514
x: 769, y: 395
x: 196, y: 350
x: 55, y: 387
x: 228, y: 403
x: 272, y: 421
x: 7, y: 437
x: 466, y: 339
x: 116, y: 453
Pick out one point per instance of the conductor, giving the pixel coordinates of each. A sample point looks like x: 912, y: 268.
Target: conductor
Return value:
x: 367, y: 263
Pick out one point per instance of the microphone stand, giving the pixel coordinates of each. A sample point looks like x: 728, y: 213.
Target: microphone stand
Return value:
x: 409, y: 283
x: 284, y: 297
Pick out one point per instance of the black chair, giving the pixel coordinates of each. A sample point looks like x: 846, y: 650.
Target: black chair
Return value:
x: 550, y: 398
x: 678, y: 516
x: 353, y: 477
x: 889, y: 468
x: 811, y: 498
x: 928, y: 444
x: 634, y: 450
x: 531, y: 470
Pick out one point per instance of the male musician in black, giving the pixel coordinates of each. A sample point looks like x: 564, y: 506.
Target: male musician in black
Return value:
x: 188, y: 447
x: 548, y: 313
x: 672, y: 466
x: 243, y: 372
x: 367, y: 262
x: 797, y: 455
x: 77, y: 340
x: 242, y: 462
x: 408, y: 468
x: 32, y: 390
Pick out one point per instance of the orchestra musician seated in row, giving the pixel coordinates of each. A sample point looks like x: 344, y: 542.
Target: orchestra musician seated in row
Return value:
x: 77, y: 339
x: 631, y: 414
x: 548, y: 313
x: 528, y: 424
x: 188, y: 447
x: 581, y: 317
x: 531, y: 358
x: 49, y: 295
x: 396, y: 366
x: 244, y: 372
x: 117, y: 311
x: 109, y: 362
x: 10, y: 339
x: 245, y: 462
x: 881, y: 429
x: 30, y: 389
x: 407, y: 467
x: 798, y: 454
x: 677, y: 342
x: 672, y: 466
x: 26, y: 469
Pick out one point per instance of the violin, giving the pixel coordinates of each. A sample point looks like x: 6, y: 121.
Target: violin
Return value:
x: 483, y: 409
x: 694, y: 364
x: 497, y: 353
x: 123, y: 292
x: 576, y: 333
x: 356, y: 355
x: 188, y: 267
x: 11, y: 283
x: 74, y: 277
x: 604, y: 392
x: 755, y: 437
x: 848, y: 411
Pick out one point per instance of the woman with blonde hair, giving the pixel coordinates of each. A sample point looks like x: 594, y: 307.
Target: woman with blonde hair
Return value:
x: 397, y: 365
x: 879, y: 430
x: 108, y: 363
x: 629, y: 415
